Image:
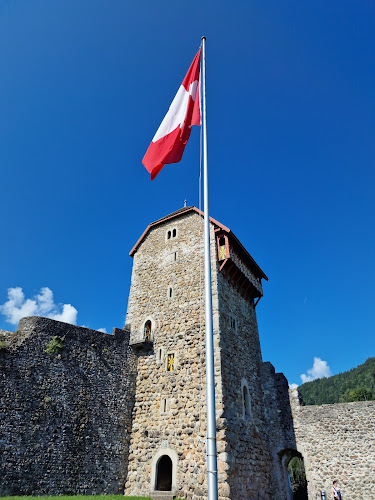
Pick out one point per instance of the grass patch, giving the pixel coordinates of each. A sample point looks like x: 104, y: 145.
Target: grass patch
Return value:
x: 53, y: 347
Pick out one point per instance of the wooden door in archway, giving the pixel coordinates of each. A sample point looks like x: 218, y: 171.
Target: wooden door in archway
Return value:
x: 164, y: 474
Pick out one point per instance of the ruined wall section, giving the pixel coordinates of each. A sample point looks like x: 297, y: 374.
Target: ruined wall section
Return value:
x: 169, y: 415
x: 278, y: 415
x: 247, y: 454
x: 338, y: 442
x: 277, y: 409
x: 65, y: 417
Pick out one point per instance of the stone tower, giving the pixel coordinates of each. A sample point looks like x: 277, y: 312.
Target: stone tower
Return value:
x: 165, y: 317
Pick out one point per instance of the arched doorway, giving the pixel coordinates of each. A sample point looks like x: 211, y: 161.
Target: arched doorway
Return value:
x: 297, y: 475
x: 294, y: 473
x: 164, y: 474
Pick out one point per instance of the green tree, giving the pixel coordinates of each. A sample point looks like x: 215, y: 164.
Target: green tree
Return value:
x: 297, y: 476
x: 357, y: 384
x: 358, y: 394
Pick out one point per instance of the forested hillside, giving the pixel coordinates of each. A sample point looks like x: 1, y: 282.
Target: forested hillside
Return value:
x: 357, y: 384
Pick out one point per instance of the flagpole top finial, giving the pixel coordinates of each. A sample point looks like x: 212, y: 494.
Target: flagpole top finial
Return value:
x: 203, y: 38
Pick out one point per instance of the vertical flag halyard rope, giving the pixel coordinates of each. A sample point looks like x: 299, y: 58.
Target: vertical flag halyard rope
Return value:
x: 210, y: 373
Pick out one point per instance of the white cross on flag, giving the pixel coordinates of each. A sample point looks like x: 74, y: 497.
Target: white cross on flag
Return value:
x: 170, y: 140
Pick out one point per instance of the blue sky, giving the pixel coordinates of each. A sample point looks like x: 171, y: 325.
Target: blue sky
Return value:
x: 291, y: 111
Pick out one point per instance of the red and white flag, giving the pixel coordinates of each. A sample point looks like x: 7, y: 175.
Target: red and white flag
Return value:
x: 170, y: 140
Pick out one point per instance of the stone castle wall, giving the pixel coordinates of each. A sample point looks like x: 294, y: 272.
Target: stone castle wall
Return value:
x: 65, y: 418
x: 279, y: 428
x: 337, y: 441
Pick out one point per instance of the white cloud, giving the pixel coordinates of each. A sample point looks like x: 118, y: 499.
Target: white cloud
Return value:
x: 42, y: 304
x: 293, y: 386
x: 103, y: 330
x: 68, y: 314
x: 320, y: 369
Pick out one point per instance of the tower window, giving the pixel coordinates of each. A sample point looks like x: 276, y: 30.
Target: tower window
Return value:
x: 148, y: 330
x: 164, y: 405
x: 171, y: 234
x: 170, y: 293
x: 170, y: 362
x: 246, y: 403
x: 222, y: 248
x: 232, y: 323
x: 173, y: 257
x: 159, y: 355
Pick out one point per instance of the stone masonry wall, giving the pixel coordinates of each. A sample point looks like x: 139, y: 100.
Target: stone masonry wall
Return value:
x: 178, y: 429
x: 337, y: 442
x: 65, y: 418
x: 248, y: 453
x: 280, y: 430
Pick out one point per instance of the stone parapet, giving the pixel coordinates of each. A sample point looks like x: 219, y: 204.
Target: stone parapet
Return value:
x: 66, y: 397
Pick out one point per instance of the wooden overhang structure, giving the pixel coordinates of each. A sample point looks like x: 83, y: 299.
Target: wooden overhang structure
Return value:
x: 235, y: 262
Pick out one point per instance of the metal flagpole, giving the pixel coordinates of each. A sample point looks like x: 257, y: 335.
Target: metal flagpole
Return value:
x: 210, y: 374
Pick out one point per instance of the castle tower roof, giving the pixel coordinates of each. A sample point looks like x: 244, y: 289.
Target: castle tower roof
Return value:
x: 220, y: 230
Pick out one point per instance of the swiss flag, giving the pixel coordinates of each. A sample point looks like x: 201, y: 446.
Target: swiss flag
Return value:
x: 170, y: 140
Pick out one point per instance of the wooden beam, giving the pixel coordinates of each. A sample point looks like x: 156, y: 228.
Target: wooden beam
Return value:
x: 234, y: 274
x: 246, y: 289
x: 235, y: 282
x: 228, y: 268
x: 222, y: 265
x: 242, y: 283
x: 251, y: 294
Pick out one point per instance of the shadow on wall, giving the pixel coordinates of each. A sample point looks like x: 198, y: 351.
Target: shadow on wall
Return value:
x: 289, y: 471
